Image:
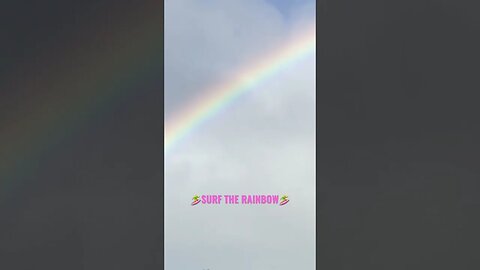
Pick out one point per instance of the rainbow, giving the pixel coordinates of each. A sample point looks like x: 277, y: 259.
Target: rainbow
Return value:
x: 221, y: 95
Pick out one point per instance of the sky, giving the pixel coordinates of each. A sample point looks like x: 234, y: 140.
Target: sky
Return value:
x: 263, y: 143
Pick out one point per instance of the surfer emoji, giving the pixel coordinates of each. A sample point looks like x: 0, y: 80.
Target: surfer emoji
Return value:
x: 196, y: 200
x: 284, y: 200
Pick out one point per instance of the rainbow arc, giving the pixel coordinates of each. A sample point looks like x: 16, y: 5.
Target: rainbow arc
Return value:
x: 219, y: 96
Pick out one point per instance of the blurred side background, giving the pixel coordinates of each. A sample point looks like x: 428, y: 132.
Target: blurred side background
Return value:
x: 398, y: 134
x: 80, y: 134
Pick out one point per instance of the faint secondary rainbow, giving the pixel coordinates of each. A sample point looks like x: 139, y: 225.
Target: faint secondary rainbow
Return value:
x: 224, y: 93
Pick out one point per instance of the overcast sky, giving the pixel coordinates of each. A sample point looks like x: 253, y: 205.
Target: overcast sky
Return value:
x: 263, y: 143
